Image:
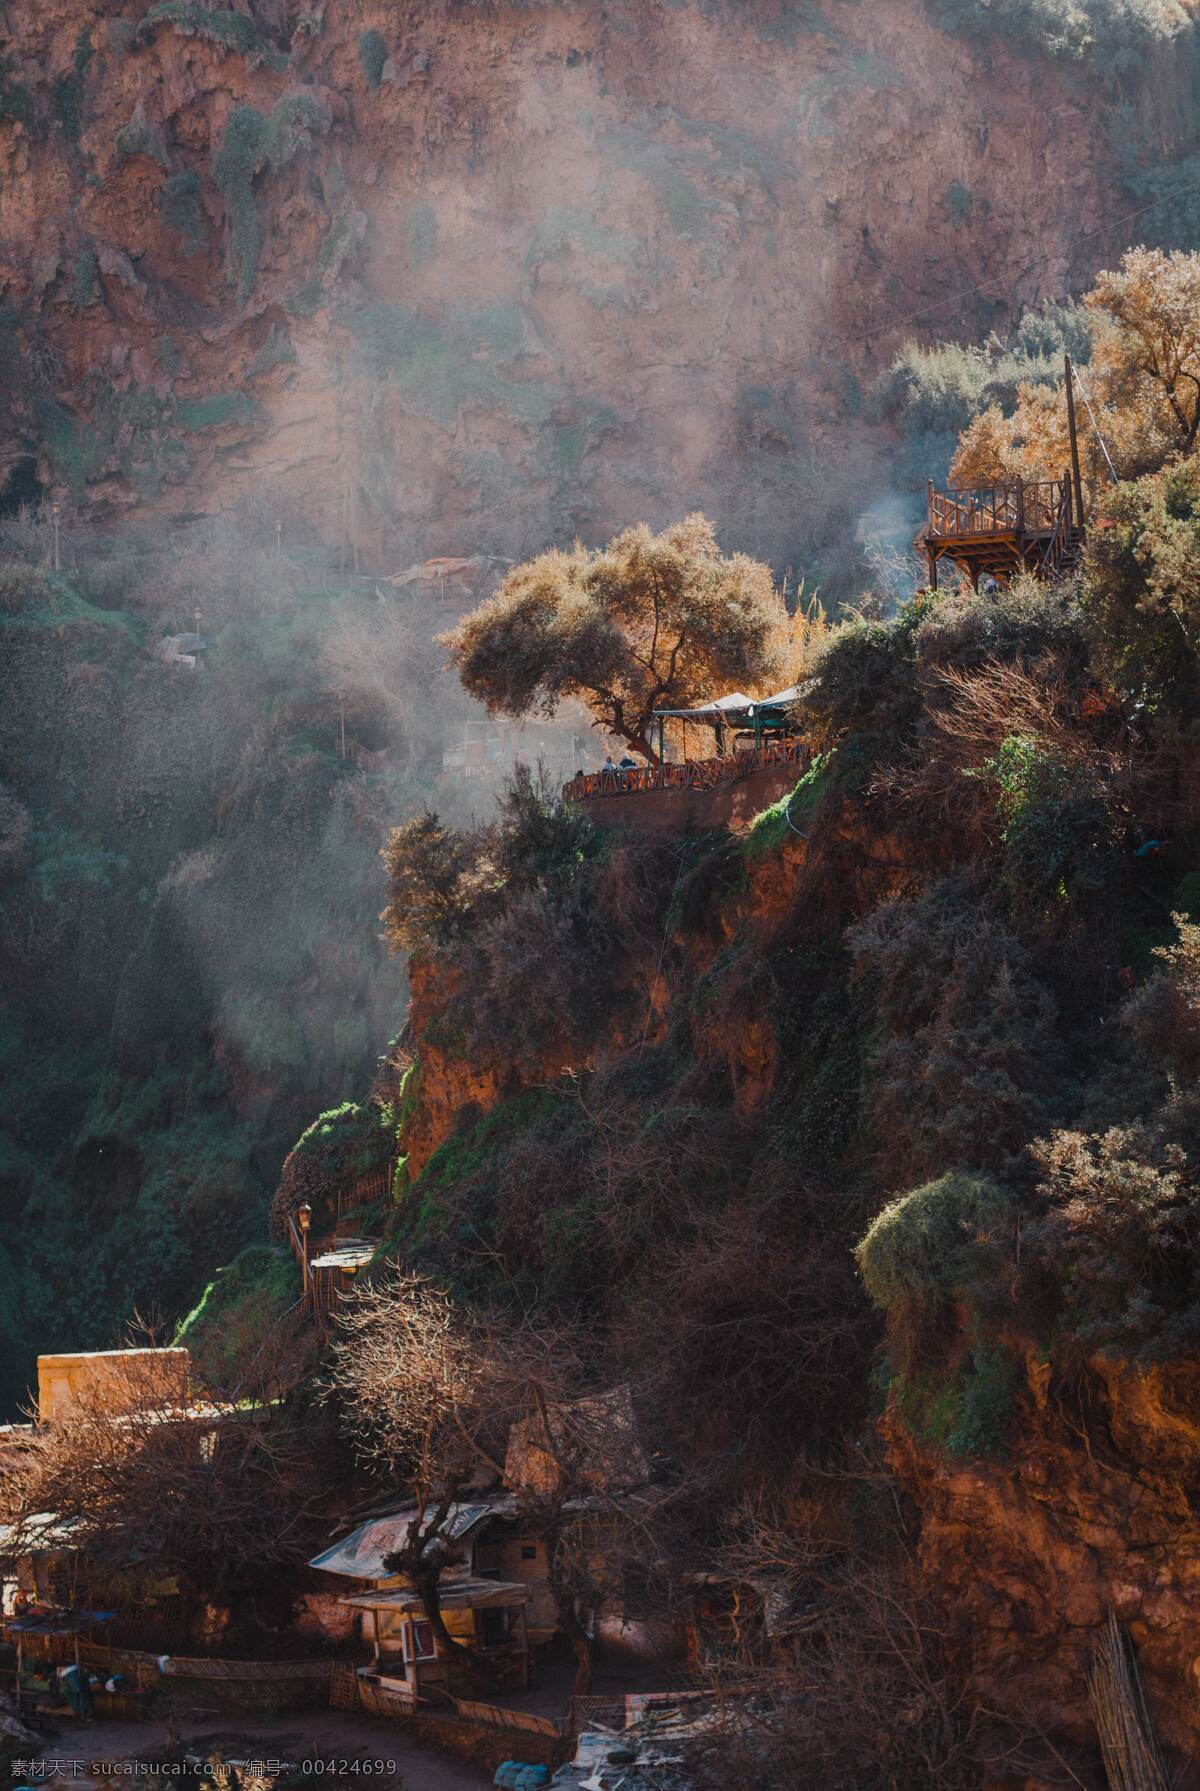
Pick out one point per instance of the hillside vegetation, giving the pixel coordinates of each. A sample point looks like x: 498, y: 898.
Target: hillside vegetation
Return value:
x: 796, y: 1127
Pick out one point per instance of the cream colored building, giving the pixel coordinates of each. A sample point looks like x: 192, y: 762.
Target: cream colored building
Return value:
x: 117, y: 1380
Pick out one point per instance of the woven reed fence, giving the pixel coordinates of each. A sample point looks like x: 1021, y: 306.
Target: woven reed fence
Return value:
x: 1132, y: 1759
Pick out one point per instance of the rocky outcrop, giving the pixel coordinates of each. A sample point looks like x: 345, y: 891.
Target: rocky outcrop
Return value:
x: 1093, y: 1507
x: 482, y: 277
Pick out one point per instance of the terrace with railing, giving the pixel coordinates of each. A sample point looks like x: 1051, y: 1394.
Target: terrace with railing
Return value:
x: 1000, y: 530
x: 690, y: 774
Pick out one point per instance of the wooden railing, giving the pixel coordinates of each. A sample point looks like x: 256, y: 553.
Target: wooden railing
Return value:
x: 693, y: 774
x: 375, y: 1185
x: 1058, y: 548
x: 1020, y: 508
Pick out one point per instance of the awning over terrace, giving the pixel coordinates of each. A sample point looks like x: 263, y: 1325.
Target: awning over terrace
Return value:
x: 453, y: 1595
x: 734, y: 710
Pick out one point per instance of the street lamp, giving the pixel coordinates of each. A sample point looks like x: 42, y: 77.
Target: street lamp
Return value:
x: 304, y: 1220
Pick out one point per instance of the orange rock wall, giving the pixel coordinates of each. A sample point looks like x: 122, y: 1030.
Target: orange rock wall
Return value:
x: 639, y: 259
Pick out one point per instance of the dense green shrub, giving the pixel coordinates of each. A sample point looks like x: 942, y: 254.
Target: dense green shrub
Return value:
x: 228, y: 30
x: 932, y: 393
x: 236, y: 1313
x: 1141, y: 591
x: 1171, y: 193
x: 181, y: 210
x: 16, y: 101
x: 234, y: 165
x: 291, y: 126
x: 794, y: 812
x: 329, y: 1156
x: 429, y: 898
x: 250, y: 144
x: 85, y: 288
x: 24, y: 587
x: 862, y: 682
x: 963, y: 1410
x: 961, y: 1016
x: 1116, y: 1240
x: 1022, y: 622
x: 1114, y: 36
x: 943, y: 1244
x: 1058, y: 837
x: 372, y: 53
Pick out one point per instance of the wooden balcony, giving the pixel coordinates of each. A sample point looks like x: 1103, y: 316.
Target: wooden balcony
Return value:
x: 999, y: 530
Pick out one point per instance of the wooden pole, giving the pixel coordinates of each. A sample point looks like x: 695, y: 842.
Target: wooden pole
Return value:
x: 1077, y: 479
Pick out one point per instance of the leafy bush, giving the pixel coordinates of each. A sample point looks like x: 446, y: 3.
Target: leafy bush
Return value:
x: 1057, y: 834
x: 1141, y: 592
x: 792, y: 814
x: 429, y: 896
x: 943, y: 1243
x: 963, y: 1018
x: 24, y: 587
x: 1117, y: 1239
x: 337, y: 1149
x: 372, y: 53
x: 293, y: 122
x: 234, y: 165
x: 965, y: 1409
x: 862, y: 681
x: 1115, y: 36
x: 1171, y: 193
x: 16, y: 101
x: 1164, y: 1014
x: 237, y: 1310
x: 939, y: 389
x: 85, y: 289
x: 180, y: 208
x: 1024, y: 621
x: 940, y: 1238
x: 228, y: 30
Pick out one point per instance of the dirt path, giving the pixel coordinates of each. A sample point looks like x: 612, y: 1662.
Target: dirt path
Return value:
x: 285, y: 1737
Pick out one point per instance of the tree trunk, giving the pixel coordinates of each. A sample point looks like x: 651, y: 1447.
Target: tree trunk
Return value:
x: 429, y: 1590
x: 581, y: 1642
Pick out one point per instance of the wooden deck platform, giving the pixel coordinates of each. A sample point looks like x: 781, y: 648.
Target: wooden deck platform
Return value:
x: 998, y: 531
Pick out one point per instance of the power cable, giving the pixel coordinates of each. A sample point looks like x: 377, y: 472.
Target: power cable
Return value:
x: 1099, y: 436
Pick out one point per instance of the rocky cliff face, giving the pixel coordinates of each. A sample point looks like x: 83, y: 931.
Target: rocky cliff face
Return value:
x: 471, y: 277
x: 1092, y: 1509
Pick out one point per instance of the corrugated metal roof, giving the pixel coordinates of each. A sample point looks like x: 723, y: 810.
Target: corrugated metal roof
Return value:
x: 359, y: 1556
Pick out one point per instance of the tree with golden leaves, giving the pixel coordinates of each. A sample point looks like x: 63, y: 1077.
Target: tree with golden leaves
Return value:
x: 1143, y: 384
x: 648, y: 622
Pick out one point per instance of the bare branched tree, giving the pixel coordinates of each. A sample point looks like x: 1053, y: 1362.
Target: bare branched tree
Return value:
x: 216, y: 1492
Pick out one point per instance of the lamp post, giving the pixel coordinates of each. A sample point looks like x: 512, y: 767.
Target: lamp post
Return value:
x: 304, y: 1220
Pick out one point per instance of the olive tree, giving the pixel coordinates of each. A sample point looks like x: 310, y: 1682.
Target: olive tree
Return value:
x: 648, y: 622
